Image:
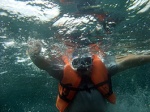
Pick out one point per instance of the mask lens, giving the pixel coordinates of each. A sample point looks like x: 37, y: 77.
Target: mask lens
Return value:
x: 82, y: 62
x: 75, y: 63
x: 87, y: 61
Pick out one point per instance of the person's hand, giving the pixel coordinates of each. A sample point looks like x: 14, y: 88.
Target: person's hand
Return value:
x: 34, y: 47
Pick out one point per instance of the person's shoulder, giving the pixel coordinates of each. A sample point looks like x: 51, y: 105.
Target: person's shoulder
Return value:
x: 109, y: 60
x: 111, y: 65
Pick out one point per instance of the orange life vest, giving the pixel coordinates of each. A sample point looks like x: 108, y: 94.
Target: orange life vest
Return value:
x: 70, y: 82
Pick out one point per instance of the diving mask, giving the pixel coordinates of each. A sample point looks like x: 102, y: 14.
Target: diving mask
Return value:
x: 81, y: 63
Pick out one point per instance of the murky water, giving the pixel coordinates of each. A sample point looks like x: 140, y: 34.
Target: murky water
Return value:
x: 24, y: 88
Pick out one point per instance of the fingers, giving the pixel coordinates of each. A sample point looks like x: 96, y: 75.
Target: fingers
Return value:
x: 34, y: 47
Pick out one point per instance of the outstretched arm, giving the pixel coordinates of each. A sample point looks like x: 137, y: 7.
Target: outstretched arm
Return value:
x: 130, y: 61
x: 34, y: 50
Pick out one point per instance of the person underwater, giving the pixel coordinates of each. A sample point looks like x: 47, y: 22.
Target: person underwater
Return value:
x: 84, y: 79
x: 90, y: 7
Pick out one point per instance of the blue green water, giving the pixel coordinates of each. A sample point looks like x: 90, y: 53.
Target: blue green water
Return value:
x: 24, y: 88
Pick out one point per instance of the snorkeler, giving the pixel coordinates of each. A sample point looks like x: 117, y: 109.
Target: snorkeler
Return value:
x: 85, y: 78
x: 90, y: 7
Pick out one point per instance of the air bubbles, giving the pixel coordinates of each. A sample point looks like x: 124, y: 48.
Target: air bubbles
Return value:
x: 3, y: 37
x: 8, y: 44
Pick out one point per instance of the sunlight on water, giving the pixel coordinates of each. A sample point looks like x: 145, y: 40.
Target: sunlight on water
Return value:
x: 137, y: 4
x: 42, y: 11
x: 81, y: 29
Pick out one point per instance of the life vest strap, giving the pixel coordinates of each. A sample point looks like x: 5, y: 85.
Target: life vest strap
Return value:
x: 108, y: 94
x: 101, y: 83
x: 76, y: 89
x: 64, y: 98
x: 68, y: 86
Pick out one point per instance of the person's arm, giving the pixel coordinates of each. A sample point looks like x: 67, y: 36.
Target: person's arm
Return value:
x: 130, y: 61
x: 34, y: 50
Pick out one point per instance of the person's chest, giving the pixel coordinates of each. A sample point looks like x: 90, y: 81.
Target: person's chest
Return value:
x: 87, y: 100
